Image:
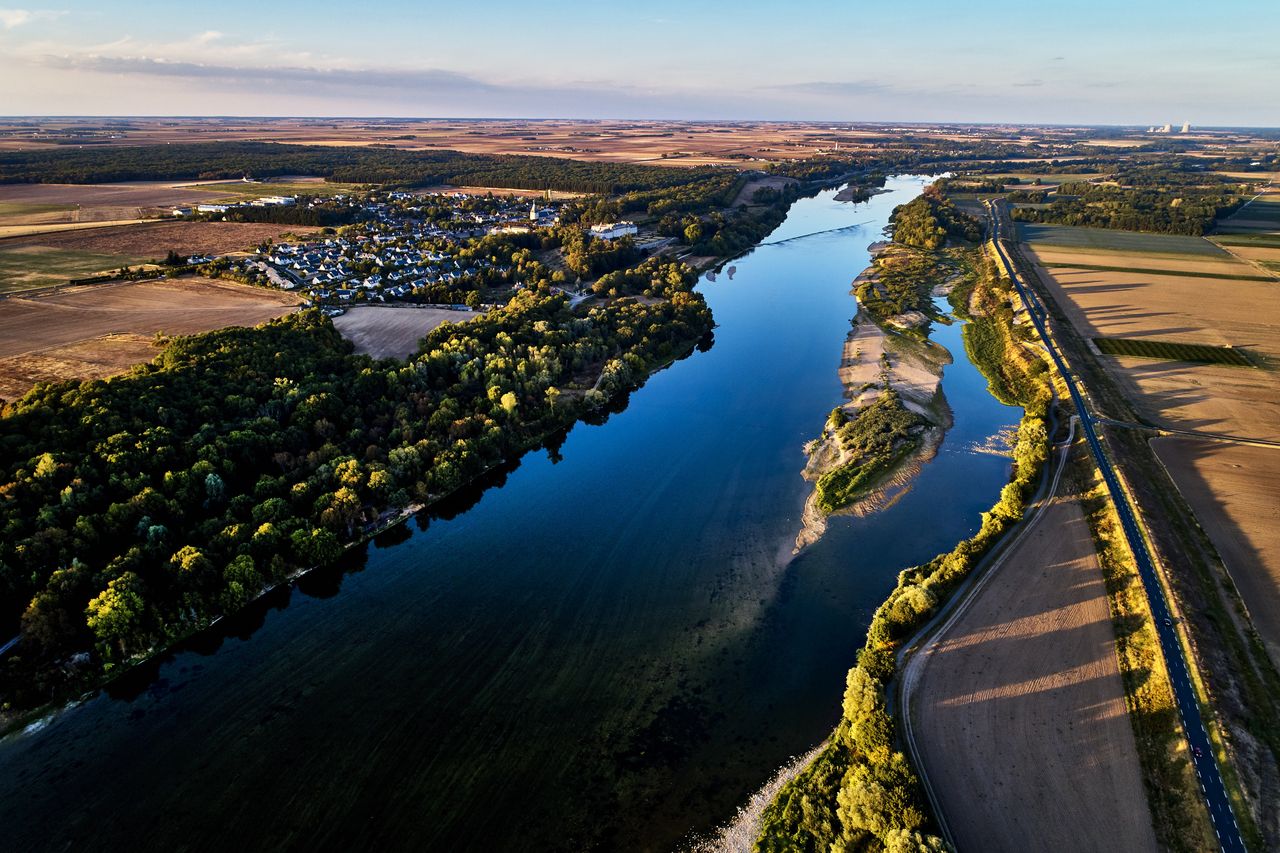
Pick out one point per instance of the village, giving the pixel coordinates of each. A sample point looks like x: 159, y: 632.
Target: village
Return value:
x: 419, y: 248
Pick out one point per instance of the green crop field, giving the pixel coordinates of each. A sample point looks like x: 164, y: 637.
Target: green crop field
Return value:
x: 1259, y: 211
x: 239, y: 190
x: 28, y: 267
x: 1116, y: 241
x: 1246, y: 239
x: 22, y: 208
x: 1173, y: 351
x: 1046, y: 181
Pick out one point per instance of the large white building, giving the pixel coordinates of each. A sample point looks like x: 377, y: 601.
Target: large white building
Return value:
x: 614, y: 230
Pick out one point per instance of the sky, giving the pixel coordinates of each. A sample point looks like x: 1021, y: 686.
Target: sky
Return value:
x: 1069, y: 62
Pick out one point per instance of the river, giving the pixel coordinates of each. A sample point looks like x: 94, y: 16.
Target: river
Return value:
x: 609, y: 647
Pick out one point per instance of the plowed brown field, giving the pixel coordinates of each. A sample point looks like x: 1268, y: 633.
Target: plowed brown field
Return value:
x: 1023, y: 728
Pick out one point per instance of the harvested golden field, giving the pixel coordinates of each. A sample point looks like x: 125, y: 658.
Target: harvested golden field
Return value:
x: 1234, y: 490
x: 100, y: 330
x: 1244, y: 314
x: 1024, y: 693
x: 393, y: 331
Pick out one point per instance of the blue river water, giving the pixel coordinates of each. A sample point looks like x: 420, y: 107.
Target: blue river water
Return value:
x: 609, y: 646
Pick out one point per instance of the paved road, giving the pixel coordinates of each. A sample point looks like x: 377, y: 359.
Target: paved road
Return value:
x: 1194, y: 433
x: 1215, y: 793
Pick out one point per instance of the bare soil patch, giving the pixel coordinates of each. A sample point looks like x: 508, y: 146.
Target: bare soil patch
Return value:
x: 393, y: 331
x: 1234, y: 490
x: 1023, y: 724
x: 100, y: 330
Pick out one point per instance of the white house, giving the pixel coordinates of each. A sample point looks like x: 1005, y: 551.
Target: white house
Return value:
x: 614, y: 230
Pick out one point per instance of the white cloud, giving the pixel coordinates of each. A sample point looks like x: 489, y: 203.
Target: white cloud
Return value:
x: 10, y: 18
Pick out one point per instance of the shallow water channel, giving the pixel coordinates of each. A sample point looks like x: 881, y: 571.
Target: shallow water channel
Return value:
x: 609, y: 647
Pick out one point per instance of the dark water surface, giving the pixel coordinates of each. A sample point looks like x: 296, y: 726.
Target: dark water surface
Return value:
x: 611, y: 649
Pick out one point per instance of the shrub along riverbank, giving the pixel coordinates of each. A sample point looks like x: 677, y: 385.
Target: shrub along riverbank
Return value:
x: 861, y: 792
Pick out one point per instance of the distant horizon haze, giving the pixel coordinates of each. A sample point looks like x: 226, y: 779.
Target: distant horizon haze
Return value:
x: 1137, y: 63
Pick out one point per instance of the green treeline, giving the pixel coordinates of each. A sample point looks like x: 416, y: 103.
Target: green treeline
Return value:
x: 873, y: 441
x: 861, y: 792
x: 929, y: 219
x: 136, y: 509
x: 361, y: 165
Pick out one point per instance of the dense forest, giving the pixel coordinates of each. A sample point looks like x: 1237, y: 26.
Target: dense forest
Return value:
x: 1158, y: 196
x: 133, y: 510
x: 928, y: 220
x: 861, y: 792
x: 361, y: 165
x: 1164, y: 211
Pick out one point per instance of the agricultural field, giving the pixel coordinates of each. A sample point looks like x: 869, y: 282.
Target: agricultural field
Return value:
x: 448, y: 189
x: 100, y: 330
x: 49, y: 259
x: 1184, y: 310
x: 1234, y: 490
x: 31, y: 266
x: 1232, y: 486
x: 393, y: 331
x: 1261, y: 214
x: 1024, y: 693
x: 233, y: 191
x: 1109, y: 240
x: 47, y: 204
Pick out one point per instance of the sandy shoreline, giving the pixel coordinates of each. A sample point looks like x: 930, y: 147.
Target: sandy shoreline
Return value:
x: 876, y: 358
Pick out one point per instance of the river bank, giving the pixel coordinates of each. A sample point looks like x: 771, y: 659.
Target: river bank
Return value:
x: 608, y: 645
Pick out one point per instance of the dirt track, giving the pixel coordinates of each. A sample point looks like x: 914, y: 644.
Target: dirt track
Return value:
x: 1022, y: 725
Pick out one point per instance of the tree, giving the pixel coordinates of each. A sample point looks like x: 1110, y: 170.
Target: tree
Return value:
x: 242, y: 583
x: 115, y: 615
